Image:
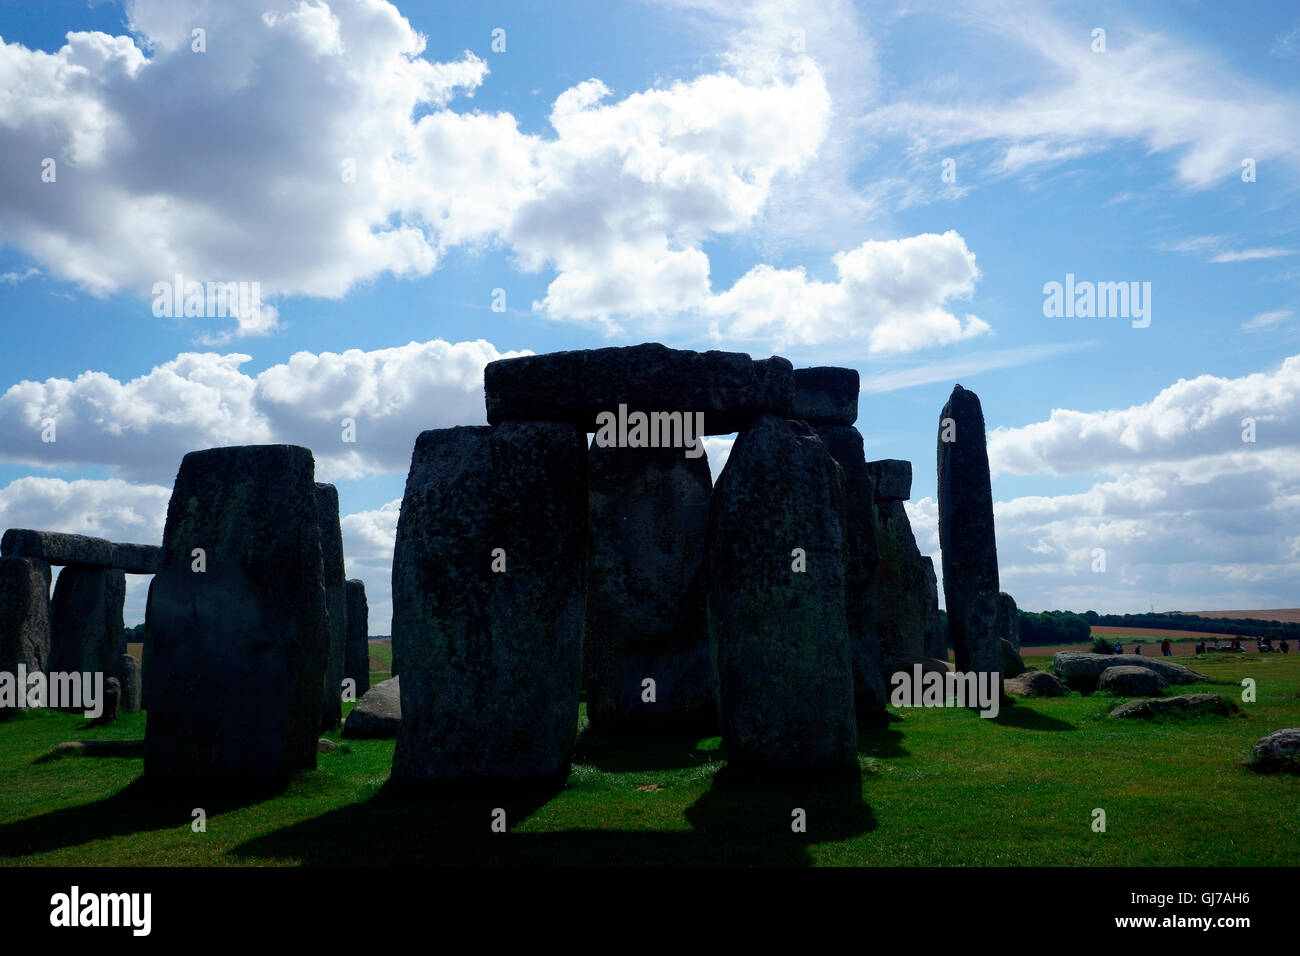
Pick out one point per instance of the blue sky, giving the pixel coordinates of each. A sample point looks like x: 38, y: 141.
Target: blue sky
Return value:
x: 767, y: 179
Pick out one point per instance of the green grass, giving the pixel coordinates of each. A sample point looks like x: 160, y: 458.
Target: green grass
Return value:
x: 937, y: 787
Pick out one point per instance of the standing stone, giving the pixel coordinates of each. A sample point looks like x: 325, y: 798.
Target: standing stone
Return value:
x: 779, y: 636
x: 111, y: 701
x: 239, y: 650
x: 146, y: 647
x: 646, y: 616
x: 131, y: 684
x: 24, y: 614
x: 907, y: 604
x: 490, y: 660
x: 87, y: 633
x: 356, y: 656
x: 336, y: 602
x: 844, y: 442
x: 970, y: 556
x: 936, y: 633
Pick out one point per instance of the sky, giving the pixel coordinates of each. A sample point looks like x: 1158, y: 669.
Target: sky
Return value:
x: 410, y: 191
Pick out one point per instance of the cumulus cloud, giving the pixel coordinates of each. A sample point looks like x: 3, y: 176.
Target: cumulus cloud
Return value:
x: 313, y: 146
x: 358, y: 411
x: 368, y: 538
x: 891, y: 294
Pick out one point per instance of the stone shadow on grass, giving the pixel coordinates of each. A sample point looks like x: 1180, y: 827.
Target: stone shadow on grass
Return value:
x: 740, y: 820
x: 883, y: 741
x: 136, y: 808
x: 1013, y: 713
x: 615, y: 752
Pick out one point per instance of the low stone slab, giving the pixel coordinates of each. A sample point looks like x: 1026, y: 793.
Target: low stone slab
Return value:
x: 378, y: 713
x: 1034, y: 683
x: 1082, y: 670
x: 892, y: 478
x: 1185, y: 705
x: 826, y: 395
x: 58, y: 548
x: 1129, y: 681
x: 730, y: 388
x: 94, y: 748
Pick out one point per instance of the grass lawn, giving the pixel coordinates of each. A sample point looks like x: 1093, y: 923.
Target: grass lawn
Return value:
x: 937, y: 787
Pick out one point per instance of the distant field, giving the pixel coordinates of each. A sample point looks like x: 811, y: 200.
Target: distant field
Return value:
x: 1160, y: 633
x: 1287, y: 615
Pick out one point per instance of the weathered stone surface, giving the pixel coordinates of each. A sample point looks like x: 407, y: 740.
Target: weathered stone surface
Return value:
x: 1034, y: 683
x: 491, y: 661
x: 86, y: 629
x: 239, y: 651
x: 24, y: 614
x: 936, y: 632
x: 356, y: 655
x: 146, y: 647
x: 1008, y: 620
x: 111, y: 702
x: 1012, y: 665
x: 1186, y: 705
x: 906, y: 600
x: 970, y: 556
x: 324, y: 746
x: 826, y: 395
x: 645, y: 596
x: 57, y: 548
x: 729, y: 387
x: 378, y: 713
x: 1129, y: 681
x: 780, y: 637
x: 131, y: 684
x: 891, y: 478
x: 1082, y: 670
x: 844, y: 442
x: 336, y: 602
x: 1280, y: 750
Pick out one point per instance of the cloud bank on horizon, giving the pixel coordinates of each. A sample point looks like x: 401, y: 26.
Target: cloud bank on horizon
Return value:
x: 846, y: 183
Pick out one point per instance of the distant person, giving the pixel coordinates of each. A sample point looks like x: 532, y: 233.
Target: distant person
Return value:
x: 1166, y: 648
x: 1137, y: 649
x: 1284, y: 647
x: 1119, y: 648
x: 1200, y: 647
x: 1236, y: 644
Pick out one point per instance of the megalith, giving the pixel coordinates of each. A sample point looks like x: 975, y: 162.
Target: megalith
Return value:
x: 336, y: 602
x: 970, y: 557
x: 131, y: 684
x: 907, y: 606
x: 646, y: 619
x: 239, y: 632
x: 356, y: 655
x: 826, y: 395
x: 24, y: 618
x: 489, y: 568
x: 87, y: 633
x: 844, y: 442
x: 777, y: 625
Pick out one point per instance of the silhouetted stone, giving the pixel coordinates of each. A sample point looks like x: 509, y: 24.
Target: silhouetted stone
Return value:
x: 378, y: 713
x: 729, y: 387
x: 146, y: 647
x: 780, y: 637
x: 844, y: 442
x: 906, y: 609
x: 645, y: 597
x: 57, y: 548
x: 970, y: 556
x: 131, y: 684
x: 336, y: 602
x: 490, y: 661
x: 239, y: 651
x: 826, y: 395
x: 936, y: 632
x: 86, y: 629
x: 1008, y: 631
x: 1012, y: 664
x: 110, y: 703
x: 356, y: 656
x: 24, y: 615
x: 892, y: 479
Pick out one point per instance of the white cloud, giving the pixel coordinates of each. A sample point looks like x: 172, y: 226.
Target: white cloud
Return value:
x: 953, y: 369
x: 1266, y: 320
x: 144, y: 427
x: 1248, y: 255
x: 368, y: 539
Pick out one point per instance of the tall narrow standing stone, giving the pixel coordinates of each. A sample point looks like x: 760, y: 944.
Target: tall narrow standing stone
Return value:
x: 488, y: 573
x: 86, y: 629
x: 778, y: 634
x: 844, y: 442
x: 240, y: 641
x: 970, y: 556
x: 146, y: 647
x: 356, y: 657
x: 906, y: 596
x: 336, y: 602
x: 645, y: 596
x: 24, y: 617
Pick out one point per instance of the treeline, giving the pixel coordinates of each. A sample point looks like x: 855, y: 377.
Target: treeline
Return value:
x: 1053, y: 627
x: 1245, y: 627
